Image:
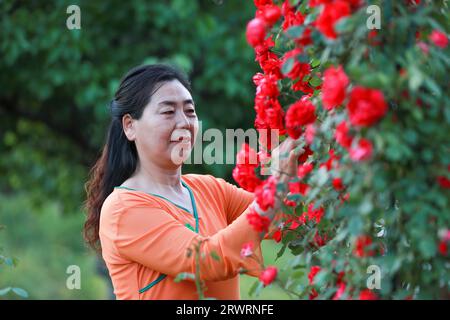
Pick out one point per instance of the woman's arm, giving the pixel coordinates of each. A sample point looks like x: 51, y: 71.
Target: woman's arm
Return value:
x: 152, y: 237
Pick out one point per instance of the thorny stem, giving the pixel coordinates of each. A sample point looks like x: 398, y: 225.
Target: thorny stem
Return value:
x: 288, y: 290
x: 198, y: 282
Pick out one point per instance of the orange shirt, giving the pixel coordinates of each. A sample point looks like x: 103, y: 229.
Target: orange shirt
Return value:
x: 145, y: 240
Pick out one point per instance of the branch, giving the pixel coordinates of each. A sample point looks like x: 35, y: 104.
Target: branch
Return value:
x: 71, y: 132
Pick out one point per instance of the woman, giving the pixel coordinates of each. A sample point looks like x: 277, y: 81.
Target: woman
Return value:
x: 146, y: 215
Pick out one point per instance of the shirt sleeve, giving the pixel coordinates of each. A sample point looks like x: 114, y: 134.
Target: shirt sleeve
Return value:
x: 155, y: 239
x: 237, y: 201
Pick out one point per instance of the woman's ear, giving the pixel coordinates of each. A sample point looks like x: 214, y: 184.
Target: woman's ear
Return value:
x: 129, y: 127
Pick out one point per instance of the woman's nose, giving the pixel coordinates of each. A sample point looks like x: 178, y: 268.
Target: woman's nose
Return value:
x: 182, y: 120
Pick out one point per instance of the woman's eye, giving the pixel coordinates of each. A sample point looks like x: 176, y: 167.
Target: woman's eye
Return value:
x: 168, y: 112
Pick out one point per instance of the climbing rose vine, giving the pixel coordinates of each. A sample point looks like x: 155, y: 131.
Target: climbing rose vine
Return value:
x: 371, y: 107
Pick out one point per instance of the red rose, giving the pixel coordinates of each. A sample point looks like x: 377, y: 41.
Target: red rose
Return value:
x: 267, y: 136
x: 335, y: 81
x: 337, y: 184
x: 312, y: 214
x: 257, y: 78
x: 290, y: 203
x: 299, y: 69
x: 316, y: 3
x: 262, y: 3
x: 423, y: 47
x: 412, y: 2
x: 268, y: 60
x: 439, y: 39
x: 298, y: 188
x: 272, y: 66
x: 361, y: 244
x: 331, y: 160
x: 366, y: 106
x: 268, y: 275
x: 446, y: 236
x: 247, y: 249
x: 299, y: 114
x: 295, y: 224
x: 367, y: 295
x: 305, y: 39
x: 373, y: 38
x: 244, y: 172
x: 363, y: 151
x: 319, y: 241
x: 342, y: 136
x: 277, y: 235
x: 256, y: 32
x: 340, y: 291
x: 312, y: 274
x: 269, y: 13
x: 247, y: 156
x: 267, y: 87
x: 246, y: 178
x: 269, y: 116
x: 345, y: 197
x: 444, y: 182
x: 443, y: 248
x: 330, y: 15
x: 310, y: 132
x: 258, y: 222
x: 304, y: 169
x: 291, y: 18
x: 305, y: 155
x: 265, y: 193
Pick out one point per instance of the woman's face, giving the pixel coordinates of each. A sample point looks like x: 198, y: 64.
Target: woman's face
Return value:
x: 166, y: 132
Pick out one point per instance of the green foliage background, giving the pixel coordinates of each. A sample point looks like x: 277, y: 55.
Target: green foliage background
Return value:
x: 55, y: 85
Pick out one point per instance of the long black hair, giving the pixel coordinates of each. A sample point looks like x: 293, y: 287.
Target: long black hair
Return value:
x: 119, y: 157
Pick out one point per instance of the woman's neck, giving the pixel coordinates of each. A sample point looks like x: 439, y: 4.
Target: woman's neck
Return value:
x: 153, y: 179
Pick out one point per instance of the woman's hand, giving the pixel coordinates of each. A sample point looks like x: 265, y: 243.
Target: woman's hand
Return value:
x: 284, y: 160
x: 283, y: 167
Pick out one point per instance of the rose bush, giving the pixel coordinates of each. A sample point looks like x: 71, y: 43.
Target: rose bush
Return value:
x: 372, y: 108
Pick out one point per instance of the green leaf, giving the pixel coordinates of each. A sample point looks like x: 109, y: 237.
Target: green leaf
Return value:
x: 355, y: 225
x: 4, y: 291
x: 296, y: 249
x: 321, y: 278
x: 20, y: 292
x: 416, y: 78
x: 295, y: 31
x: 215, y: 256
x: 315, y: 81
x: 9, y: 262
x: 433, y: 86
x: 322, y: 176
x: 287, y: 66
x: 315, y: 63
x: 298, y: 274
x: 343, y: 25
x: 281, y: 251
x: 310, y: 18
x: 427, y: 247
x: 366, y: 206
x: 183, y: 276
x: 255, y: 288
x: 303, y: 58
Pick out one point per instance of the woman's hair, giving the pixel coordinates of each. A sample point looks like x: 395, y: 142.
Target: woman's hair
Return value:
x: 119, y: 157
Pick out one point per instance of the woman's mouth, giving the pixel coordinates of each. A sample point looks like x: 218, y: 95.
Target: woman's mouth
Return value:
x: 182, y: 137
x: 182, y: 140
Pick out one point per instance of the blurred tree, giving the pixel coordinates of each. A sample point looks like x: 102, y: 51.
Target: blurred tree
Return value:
x: 56, y: 83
